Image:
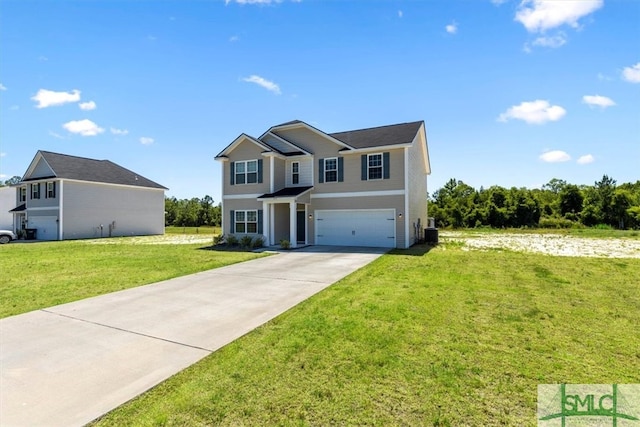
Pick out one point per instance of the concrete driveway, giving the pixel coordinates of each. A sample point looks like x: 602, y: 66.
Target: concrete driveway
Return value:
x: 69, y: 364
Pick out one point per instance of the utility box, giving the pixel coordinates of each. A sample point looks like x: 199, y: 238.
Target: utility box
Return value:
x: 431, y: 235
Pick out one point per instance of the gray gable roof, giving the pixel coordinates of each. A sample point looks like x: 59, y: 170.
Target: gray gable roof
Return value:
x: 402, y: 133
x: 83, y: 169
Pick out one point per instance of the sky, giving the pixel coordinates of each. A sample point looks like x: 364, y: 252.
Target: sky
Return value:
x: 513, y: 93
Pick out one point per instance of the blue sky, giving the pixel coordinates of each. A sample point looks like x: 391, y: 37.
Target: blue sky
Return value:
x: 513, y: 93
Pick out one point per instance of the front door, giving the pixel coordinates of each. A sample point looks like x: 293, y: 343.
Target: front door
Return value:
x: 300, y: 221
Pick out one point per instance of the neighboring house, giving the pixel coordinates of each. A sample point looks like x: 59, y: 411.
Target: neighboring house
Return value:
x: 7, y: 199
x: 364, y: 187
x: 66, y: 197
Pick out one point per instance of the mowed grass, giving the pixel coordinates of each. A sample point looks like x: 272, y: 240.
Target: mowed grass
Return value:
x: 43, y: 274
x: 445, y: 337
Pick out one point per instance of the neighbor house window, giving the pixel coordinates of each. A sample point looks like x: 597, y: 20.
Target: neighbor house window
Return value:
x: 374, y: 166
x: 295, y: 172
x: 23, y: 194
x: 246, y: 172
x: 35, y: 191
x: 51, y: 190
x: 246, y: 222
x: 331, y: 170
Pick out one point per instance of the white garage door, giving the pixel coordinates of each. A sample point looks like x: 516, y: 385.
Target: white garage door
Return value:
x: 47, y: 227
x: 357, y: 227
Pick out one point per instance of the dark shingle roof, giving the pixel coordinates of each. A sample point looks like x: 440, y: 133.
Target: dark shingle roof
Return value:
x: 83, y: 169
x: 402, y: 133
x: 286, y: 192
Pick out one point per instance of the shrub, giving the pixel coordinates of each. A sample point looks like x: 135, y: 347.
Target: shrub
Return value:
x: 555, y: 223
x: 245, y: 241
x: 257, y: 243
x: 285, y: 244
x: 232, y: 240
x: 218, y: 239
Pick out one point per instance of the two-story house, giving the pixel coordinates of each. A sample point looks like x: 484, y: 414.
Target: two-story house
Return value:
x: 65, y: 197
x: 365, y: 187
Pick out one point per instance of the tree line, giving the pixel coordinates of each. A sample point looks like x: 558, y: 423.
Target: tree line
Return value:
x: 557, y: 204
x: 192, y: 212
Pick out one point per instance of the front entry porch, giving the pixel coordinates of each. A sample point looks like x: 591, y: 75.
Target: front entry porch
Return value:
x: 285, y: 216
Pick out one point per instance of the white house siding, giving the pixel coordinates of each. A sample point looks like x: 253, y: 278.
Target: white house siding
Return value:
x: 7, y: 202
x: 135, y: 211
x: 306, y: 168
x: 417, y: 189
x: 366, y: 202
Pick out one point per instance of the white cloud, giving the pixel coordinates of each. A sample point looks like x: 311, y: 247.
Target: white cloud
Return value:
x: 48, y: 98
x: 234, y: 38
x: 598, y: 101
x: 534, y: 112
x: 604, y: 78
x: 3, y: 154
x: 553, y: 41
x: 145, y: 140
x: 452, y: 28
x: 542, y: 15
x: 586, y: 159
x: 116, y: 131
x: 83, y: 127
x: 400, y: 14
x: 87, y: 106
x: 260, y: 81
x: 632, y: 74
x: 555, y: 156
x: 2, y: 176
x: 56, y: 135
x: 2, y: 87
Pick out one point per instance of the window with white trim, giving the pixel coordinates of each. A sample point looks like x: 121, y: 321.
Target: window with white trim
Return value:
x: 374, y: 166
x: 246, y: 172
x: 295, y: 173
x: 35, y: 191
x: 51, y: 190
x: 331, y: 169
x: 23, y: 194
x: 246, y: 222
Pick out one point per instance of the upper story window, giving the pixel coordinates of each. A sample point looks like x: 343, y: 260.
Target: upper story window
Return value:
x: 295, y: 173
x: 374, y: 166
x: 35, y: 191
x: 23, y: 194
x: 51, y: 190
x: 331, y: 169
x: 246, y: 172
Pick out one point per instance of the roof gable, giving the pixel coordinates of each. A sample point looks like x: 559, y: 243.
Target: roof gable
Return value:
x: 64, y: 166
x: 241, y: 138
x: 281, y: 129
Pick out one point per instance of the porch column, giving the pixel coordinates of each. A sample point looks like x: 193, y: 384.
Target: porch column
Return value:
x: 272, y: 224
x: 306, y: 224
x: 265, y: 222
x: 293, y: 236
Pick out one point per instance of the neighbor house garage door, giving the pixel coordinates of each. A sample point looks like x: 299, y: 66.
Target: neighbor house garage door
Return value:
x: 47, y: 227
x: 357, y: 227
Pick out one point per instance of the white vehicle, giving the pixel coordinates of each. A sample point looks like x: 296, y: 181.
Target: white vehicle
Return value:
x: 6, y: 236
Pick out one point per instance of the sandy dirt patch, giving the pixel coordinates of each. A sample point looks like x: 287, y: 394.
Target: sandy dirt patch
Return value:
x: 550, y: 244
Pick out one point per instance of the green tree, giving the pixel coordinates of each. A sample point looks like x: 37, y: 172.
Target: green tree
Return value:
x: 570, y: 200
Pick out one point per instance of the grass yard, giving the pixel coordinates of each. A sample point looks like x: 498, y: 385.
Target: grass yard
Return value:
x: 43, y: 274
x: 446, y: 338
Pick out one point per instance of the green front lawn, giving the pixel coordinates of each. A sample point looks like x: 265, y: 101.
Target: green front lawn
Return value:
x: 440, y: 337
x: 43, y: 274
